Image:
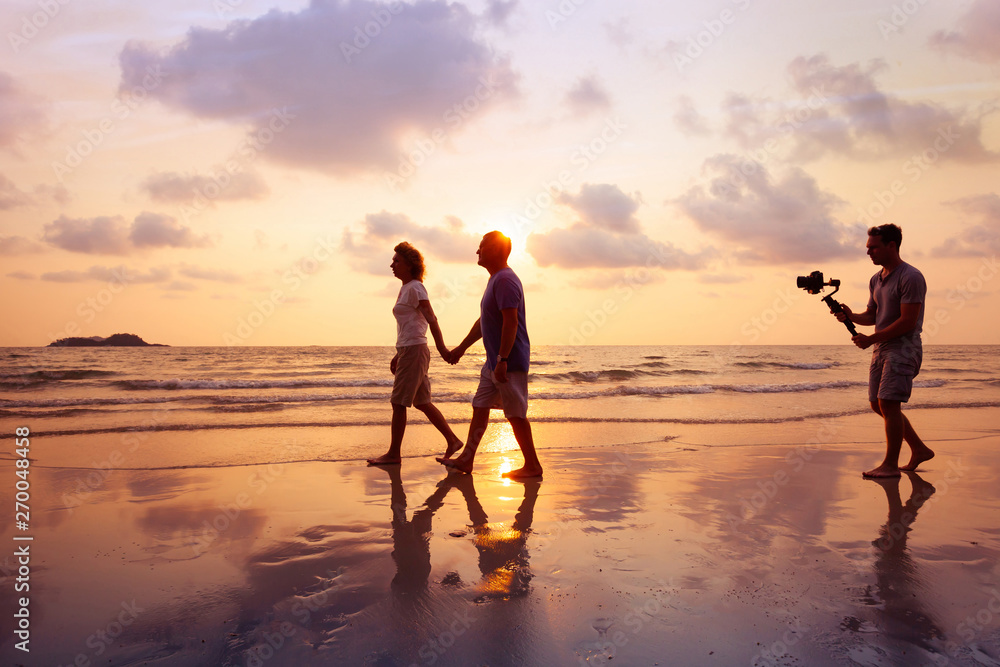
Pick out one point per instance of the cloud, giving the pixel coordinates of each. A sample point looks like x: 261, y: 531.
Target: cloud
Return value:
x: 688, y: 119
x: 11, y: 196
x: 118, y: 275
x: 763, y: 221
x: 977, y: 35
x: 21, y: 113
x: 214, y: 275
x: 153, y: 230
x: 607, y: 235
x: 977, y: 240
x: 18, y: 245
x: 498, y: 11
x: 604, y: 206
x: 106, y: 235
x: 588, y: 96
x: 597, y: 279
x: 620, y: 33
x: 585, y: 248
x: 721, y: 278
x: 843, y: 112
x: 355, y: 78
x: 174, y: 188
x: 372, y: 250
x: 22, y: 275
x: 95, y: 236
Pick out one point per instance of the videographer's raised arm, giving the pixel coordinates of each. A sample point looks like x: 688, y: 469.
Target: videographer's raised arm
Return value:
x: 865, y: 319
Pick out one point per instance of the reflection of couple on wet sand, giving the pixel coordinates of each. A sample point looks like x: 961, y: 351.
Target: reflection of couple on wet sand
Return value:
x: 503, y: 553
x: 503, y: 381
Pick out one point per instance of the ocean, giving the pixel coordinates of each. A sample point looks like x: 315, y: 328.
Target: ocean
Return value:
x: 97, y: 392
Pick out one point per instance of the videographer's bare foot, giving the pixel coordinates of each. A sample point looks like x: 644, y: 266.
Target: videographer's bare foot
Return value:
x: 918, y: 457
x: 385, y: 460
x: 523, y: 473
x: 462, y: 464
x: 882, y: 472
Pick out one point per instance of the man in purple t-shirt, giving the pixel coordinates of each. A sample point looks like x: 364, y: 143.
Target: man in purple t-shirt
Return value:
x: 896, y: 308
x: 503, y: 380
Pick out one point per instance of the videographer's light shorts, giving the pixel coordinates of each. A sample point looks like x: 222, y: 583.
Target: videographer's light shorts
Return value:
x: 890, y: 377
x: 511, y: 395
x: 411, y: 385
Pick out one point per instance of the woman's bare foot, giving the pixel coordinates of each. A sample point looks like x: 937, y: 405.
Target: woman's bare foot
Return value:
x: 385, y: 460
x: 452, y: 448
x: 918, y: 457
x: 462, y: 464
x: 881, y: 472
x: 523, y: 473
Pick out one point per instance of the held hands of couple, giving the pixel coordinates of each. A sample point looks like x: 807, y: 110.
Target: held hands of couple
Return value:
x: 451, y: 356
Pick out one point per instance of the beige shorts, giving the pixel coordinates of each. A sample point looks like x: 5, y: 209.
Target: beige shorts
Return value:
x: 411, y: 385
x: 511, y: 395
x: 890, y: 376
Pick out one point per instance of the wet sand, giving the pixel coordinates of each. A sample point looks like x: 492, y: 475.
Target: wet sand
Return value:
x: 643, y: 545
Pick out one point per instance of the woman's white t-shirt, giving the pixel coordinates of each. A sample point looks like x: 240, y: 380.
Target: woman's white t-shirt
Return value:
x: 411, y: 327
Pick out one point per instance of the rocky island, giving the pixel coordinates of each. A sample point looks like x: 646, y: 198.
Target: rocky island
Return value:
x: 115, y: 340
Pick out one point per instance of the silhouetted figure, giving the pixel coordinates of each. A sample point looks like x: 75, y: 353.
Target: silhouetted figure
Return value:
x: 503, y: 380
x: 896, y: 308
x: 411, y: 384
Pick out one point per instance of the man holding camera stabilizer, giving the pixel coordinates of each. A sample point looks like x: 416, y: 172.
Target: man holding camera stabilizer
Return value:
x: 896, y: 308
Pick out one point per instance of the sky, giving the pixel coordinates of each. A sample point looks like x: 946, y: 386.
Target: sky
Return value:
x: 237, y: 172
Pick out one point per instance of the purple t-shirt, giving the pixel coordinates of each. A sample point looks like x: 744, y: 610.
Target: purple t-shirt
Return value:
x: 504, y: 291
x: 904, y: 285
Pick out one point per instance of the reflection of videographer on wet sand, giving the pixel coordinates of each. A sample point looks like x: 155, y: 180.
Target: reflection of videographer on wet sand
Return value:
x: 897, y: 576
x: 896, y: 309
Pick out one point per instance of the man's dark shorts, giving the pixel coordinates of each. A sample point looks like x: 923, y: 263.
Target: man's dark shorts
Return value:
x: 890, y: 377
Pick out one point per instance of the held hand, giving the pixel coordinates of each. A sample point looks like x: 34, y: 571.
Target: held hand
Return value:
x: 455, y: 355
x: 862, y: 341
x: 843, y: 316
x: 500, y: 372
x: 445, y: 354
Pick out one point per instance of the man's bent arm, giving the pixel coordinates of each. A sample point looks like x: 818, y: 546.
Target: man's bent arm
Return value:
x: 865, y: 319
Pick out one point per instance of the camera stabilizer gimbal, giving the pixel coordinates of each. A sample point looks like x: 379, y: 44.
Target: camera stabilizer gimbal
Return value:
x: 813, y: 283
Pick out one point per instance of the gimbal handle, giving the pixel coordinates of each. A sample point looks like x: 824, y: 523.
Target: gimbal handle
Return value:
x: 835, y: 307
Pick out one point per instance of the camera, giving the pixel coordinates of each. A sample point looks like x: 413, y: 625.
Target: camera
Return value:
x: 813, y: 283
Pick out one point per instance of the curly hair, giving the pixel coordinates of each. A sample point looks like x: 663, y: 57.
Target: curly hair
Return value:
x: 412, y: 257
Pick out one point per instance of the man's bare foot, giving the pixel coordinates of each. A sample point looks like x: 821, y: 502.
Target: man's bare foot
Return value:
x: 882, y: 472
x: 523, y: 473
x: 385, y: 460
x: 460, y: 464
x: 926, y: 454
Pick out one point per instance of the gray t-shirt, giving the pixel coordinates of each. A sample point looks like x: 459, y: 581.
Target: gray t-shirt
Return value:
x: 503, y: 291
x: 904, y: 285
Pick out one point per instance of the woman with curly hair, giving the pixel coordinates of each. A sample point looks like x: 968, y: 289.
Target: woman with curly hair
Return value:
x: 411, y: 385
